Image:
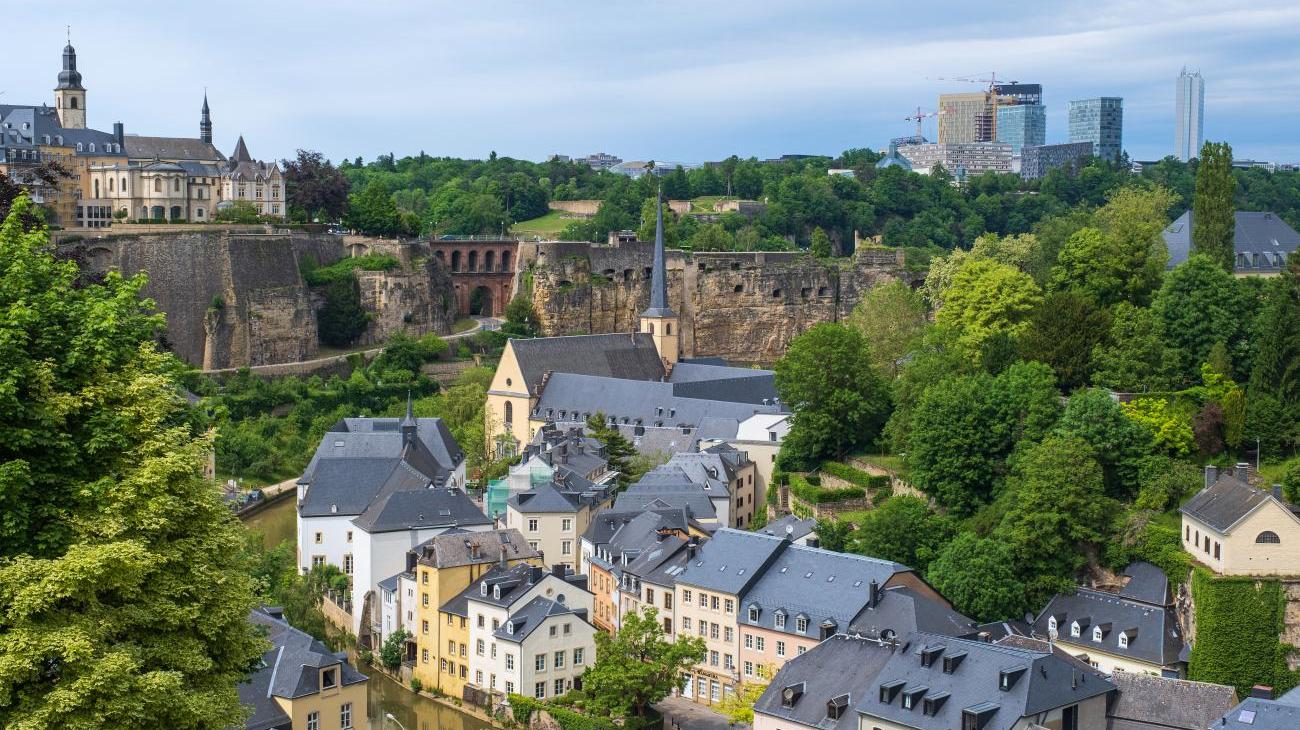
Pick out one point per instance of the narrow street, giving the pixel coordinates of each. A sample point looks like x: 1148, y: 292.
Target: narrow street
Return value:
x: 683, y: 714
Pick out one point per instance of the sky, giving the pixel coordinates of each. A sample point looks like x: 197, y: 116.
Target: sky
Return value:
x: 675, y: 81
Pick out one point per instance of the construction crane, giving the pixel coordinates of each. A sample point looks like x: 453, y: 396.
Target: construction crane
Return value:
x: 986, y: 128
x: 991, y: 79
x: 919, y: 116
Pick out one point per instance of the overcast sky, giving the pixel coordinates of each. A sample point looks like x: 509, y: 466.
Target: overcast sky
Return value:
x: 680, y: 81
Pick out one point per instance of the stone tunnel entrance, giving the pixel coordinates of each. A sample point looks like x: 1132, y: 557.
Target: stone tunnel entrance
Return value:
x: 480, y: 301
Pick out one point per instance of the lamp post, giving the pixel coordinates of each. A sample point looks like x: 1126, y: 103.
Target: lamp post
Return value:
x: 389, y: 716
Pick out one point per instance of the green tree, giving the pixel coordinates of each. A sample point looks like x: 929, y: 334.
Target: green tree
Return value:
x: 1062, y: 332
x: 738, y: 707
x: 1213, y: 209
x: 1200, y: 304
x: 821, y: 244
x: 619, y: 452
x: 341, y: 320
x: 124, y: 597
x: 978, y: 576
x: 313, y: 186
x: 833, y: 534
x: 1134, y: 357
x: 372, y: 211
x: 1168, y: 427
x: 1276, y: 371
x: 892, y: 319
x: 987, y: 299
x: 903, y: 529
x: 1120, y: 444
x: 239, y: 211
x: 1291, y: 482
x: 839, y: 401
x: 393, y: 650
x: 521, y: 319
x: 1021, y: 251
x: 1061, y: 514
x: 638, y: 665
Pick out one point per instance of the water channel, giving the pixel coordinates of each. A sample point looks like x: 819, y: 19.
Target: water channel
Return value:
x: 276, y: 523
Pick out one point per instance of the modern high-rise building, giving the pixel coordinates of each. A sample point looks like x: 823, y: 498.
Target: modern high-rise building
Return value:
x: 1101, y: 122
x: 1022, y: 125
x: 964, y: 118
x: 1189, y: 115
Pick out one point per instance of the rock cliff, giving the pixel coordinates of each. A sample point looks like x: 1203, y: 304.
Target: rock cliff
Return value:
x: 233, y: 298
x: 744, y: 307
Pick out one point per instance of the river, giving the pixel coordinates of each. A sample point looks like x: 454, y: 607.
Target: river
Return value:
x: 276, y: 523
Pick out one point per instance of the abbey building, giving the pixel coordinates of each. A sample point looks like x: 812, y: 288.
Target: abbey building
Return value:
x: 128, y: 178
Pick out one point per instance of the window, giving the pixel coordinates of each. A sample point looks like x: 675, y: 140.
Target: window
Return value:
x: 345, y: 716
x: 728, y: 662
x: 347, y: 564
x: 713, y: 631
x: 539, y: 662
x: 1123, y: 641
x: 713, y: 658
x: 478, y: 647
x: 1051, y: 623
x: 704, y: 600
x: 1216, y: 550
x: 313, y: 721
x: 559, y: 687
x: 713, y: 602
x: 1070, y: 718
x: 349, y: 536
x: 510, y: 412
x: 478, y: 677
x: 729, y: 606
x: 424, y: 599
x: 753, y: 614
x: 1074, y: 629
x: 318, y: 561
x: 1096, y: 633
x: 1268, y: 537
x: 780, y: 619
x: 566, y: 547
x: 759, y: 643
x: 510, y: 661
x: 539, y: 690
x: 451, y: 648
x: 559, y: 659
x: 704, y: 627
x: 554, y: 630
x: 578, y: 657
x: 329, y: 678
x: 424, y: 577
x: 801, y: 624
x: 492, y: 650
x: 780, y: 648
x: 686, y: 596
x: 749, y: 669
x: 510, y: 687
x: 481, y: 621
x: 668, y: 601
x: 801, y: 650
x: 727, y: 634
x: 532, y: 524
x: 320, y: 538
x: 566, y: 524
x: 749, y: 641
x: 686, y: 623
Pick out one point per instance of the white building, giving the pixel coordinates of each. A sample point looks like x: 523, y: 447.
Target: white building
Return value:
x: 376, y: 488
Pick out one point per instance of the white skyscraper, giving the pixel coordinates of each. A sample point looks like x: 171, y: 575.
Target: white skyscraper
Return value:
x: 1189, y: 115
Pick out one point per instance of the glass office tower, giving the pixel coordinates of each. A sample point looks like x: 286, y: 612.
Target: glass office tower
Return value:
x: 1101, y: 122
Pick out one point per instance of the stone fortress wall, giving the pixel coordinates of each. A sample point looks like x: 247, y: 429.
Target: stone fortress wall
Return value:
x: 235, y: 297
x: 744, y: 307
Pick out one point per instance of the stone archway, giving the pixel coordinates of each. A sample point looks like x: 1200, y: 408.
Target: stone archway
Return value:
x: 480, y: 302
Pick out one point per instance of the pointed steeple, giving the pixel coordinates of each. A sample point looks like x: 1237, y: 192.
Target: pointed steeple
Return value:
x: 205, y: 121
x: 410, y: 427
x: 659, y: 275
x: 241, y: 152
x: 69, y: 77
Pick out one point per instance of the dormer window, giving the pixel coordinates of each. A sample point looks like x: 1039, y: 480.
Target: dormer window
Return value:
x: 933, y: 703
x: 510, y: 627
x: 1100, y: 632
x: 780, y: 619
x: 952, y: 661
x: 1051, y: 624
x: 496, y: 591
x: 836, y: 705
x: 791, y: 694
x: 801, y: 624
x: 1123, y: 640
x: 930, y: 653
x: 1096, y: 633
x: 1075, y: 629
x: 329, y: 678
x: 890, y: 690
x: 1007, y: 678
x: 912, y: 697
x: 753, y: 614
x: 482, y: 588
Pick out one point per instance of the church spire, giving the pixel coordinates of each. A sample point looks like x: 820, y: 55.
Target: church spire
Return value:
x: 205, y: 121
x: 659, y: 275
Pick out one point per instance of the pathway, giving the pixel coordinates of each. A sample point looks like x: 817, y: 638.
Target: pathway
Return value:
x: 480, y: 323
x: 686, y: 715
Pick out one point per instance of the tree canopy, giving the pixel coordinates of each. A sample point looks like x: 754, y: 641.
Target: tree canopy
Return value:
x: 638, y: 665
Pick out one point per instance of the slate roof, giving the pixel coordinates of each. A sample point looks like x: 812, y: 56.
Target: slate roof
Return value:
x: 827, y: 588
x: 732, y: 561
x: 1261, y: 239
x: 1147, y: 583
x: 622, y: 356
x: 515, y: 581
x: 799, y: 527
x: 171, y: 148
x: 473, y: 548
x: 1225, y: 503
x: 24, y: 126
x: 652, y: 495
x: 659, y: 274
x: 620, y: 533
x: 1254, y: 713
x: 1154, y: 636
x: 757, y: 388
x: 410, y: 509
x: 242, y: 166
x: 660, y: 562
x: 573, y: 397
x: 566, y: 493
x: 901, y: 610
x: 532, y: 615
x: 1042, y: 682
x: 1145, y: 700
x: 290, y: 669
x: 841, y: 665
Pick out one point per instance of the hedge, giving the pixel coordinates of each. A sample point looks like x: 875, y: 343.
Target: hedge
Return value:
x: 1238, y: 621
x: 342, y: 269
x: 806, y: 492
x: 854, y: 476
x: 522, y: 707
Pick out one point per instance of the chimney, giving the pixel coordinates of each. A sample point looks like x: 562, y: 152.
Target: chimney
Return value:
x: 1211, y: 474
x: 535, y: 573
x: 690, y: 548
x: 119, y: 133
x: 1261, y: 692
x: 1242, y: 471
x: 873, y: 594
x: 559, y: 570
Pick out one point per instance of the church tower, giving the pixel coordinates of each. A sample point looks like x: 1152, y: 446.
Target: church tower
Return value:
x: 659, y: 320
x: 70, y: 95
x: 205, y: 122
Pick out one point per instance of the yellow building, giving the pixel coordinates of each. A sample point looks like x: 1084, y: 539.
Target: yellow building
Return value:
x: 444, y: 566
x: 966, y: 118
x: 301, y: 684
x: 1236, y: 529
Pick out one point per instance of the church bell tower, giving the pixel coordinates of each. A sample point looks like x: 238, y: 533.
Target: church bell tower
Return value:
x: 70, y: 95
x: 659, y: 321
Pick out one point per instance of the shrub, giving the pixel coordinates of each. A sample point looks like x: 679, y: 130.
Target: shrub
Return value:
x: 807, y: 492
x: 854, y: 476
x: 316, y: 275
x: 416, y: 685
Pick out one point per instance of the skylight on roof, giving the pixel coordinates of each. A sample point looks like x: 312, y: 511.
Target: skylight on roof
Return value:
x: 1247, y: 717
x: 857, y: 584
